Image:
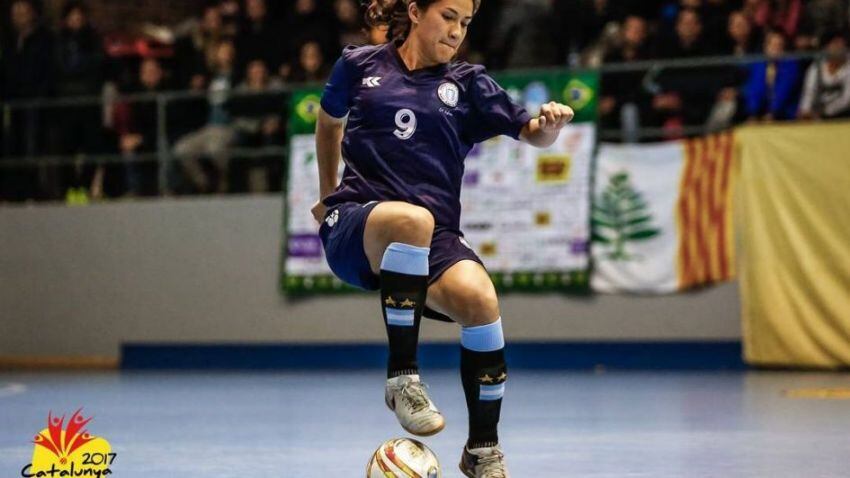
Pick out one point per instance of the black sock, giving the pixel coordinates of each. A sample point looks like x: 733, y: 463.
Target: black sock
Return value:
x: 404, y: 284
x: 483, y: 373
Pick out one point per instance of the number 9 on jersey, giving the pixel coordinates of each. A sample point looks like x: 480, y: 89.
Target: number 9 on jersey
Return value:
x: 406, y: 122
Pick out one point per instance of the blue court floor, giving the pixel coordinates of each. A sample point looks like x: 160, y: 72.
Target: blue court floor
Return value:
x: 554, y: 424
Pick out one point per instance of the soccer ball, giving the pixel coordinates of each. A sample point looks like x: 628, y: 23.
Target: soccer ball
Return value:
x: 403, y: 458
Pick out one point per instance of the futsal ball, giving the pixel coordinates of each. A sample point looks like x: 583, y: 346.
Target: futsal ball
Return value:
x: 403, y: 458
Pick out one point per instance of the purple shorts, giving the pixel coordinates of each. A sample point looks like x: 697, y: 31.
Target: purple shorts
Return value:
x: 342, y: 238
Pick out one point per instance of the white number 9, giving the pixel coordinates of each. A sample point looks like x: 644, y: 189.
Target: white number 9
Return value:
x: 406, y: 122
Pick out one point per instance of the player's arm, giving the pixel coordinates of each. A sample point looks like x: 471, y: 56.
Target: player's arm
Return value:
x: 330, y: 128
x: 543, y: 130
x: 495, y: 113
x: 329, y: 131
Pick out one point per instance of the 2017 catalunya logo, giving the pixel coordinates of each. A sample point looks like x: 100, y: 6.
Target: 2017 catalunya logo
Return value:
x: 69, y: 451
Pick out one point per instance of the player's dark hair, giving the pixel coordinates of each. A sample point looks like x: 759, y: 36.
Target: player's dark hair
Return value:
x: 393, y: 13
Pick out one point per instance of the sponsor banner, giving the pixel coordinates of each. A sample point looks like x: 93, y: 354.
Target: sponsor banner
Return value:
x: 525, y: 210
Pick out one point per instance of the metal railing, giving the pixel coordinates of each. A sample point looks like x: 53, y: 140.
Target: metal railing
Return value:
x: 27, y: 124
x: 23, y: 120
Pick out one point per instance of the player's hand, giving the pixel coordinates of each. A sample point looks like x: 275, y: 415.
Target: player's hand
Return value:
x: 318, y: 211
x: 553, y: 116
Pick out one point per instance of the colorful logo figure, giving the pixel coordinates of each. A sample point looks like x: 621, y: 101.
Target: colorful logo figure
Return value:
x: 70, y: 449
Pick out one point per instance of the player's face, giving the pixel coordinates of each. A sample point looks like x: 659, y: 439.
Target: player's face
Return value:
x: 442, y: 28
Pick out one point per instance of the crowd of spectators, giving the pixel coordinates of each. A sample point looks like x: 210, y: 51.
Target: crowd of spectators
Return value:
x: 713, y: 97
x: 235, y: 54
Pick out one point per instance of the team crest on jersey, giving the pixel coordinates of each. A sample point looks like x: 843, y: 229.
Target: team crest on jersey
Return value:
x: 448, y: 94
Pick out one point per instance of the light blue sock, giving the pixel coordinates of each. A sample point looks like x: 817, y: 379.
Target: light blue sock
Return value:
x: 406, y: 259
x: 483, y: 338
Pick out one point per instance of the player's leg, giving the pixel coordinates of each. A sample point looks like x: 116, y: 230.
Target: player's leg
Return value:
x: 397, y: 240
x: 465, y: 293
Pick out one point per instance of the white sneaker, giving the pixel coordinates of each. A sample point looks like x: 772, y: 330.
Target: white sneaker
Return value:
x: 488, y: 462
x: 406, y: 396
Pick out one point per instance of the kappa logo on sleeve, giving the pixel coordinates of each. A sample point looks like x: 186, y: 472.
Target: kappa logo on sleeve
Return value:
x: 372, y: 81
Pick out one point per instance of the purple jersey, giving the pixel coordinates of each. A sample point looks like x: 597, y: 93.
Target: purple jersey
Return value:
x: 408, y: 132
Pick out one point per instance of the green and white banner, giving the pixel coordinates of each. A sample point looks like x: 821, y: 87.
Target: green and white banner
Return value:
x: 662, y: 215
x: 525, y: 210
x: 634, y: 216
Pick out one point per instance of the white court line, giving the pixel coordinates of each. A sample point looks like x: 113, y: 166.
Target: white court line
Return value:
x: 9, y: 389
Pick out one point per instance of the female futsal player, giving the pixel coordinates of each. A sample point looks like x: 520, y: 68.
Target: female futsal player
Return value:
x: 403, y: 117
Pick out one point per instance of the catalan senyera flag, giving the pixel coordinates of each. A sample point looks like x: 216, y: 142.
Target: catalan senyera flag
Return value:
x: 662, y: 215
x: 794, y: 227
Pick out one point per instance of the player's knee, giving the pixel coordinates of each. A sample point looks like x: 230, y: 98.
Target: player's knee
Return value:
x: 416, y: 224
x: 477, y: 307
x: 419, y: 219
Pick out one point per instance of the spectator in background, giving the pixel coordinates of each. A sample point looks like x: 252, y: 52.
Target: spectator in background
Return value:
x: 259, y: 38
x: 195, y: 54
x: 685, y: 97
x: 525, y: 35
x: 214, y: 138
x: 623, y: 100
x: 632, y: 41
x: 592, y: 17
x: 819, y: 18
x: 741, y: 38
x: 780, y: 15
x: 479, y: 40
x: 826, y: 16
x: 771, y: 90
x: 231, y: 15
x: 78, y: 71
x: 714, y: 15
x: 309, y: 23
x: 826, y: 91
x: 688, y: 40
x: 136, y: 125
x: 258, y: 108
x: 79, y: 53
x: 27, y: 63
x: 750, y: 8
x: 349, y: 23
x: 311, y: 66
x: 257, y: 112
x: 28, y: 50
x: 667, y: 106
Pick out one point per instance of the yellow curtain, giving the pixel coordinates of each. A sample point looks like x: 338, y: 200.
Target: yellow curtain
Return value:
x: 794, y: 223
